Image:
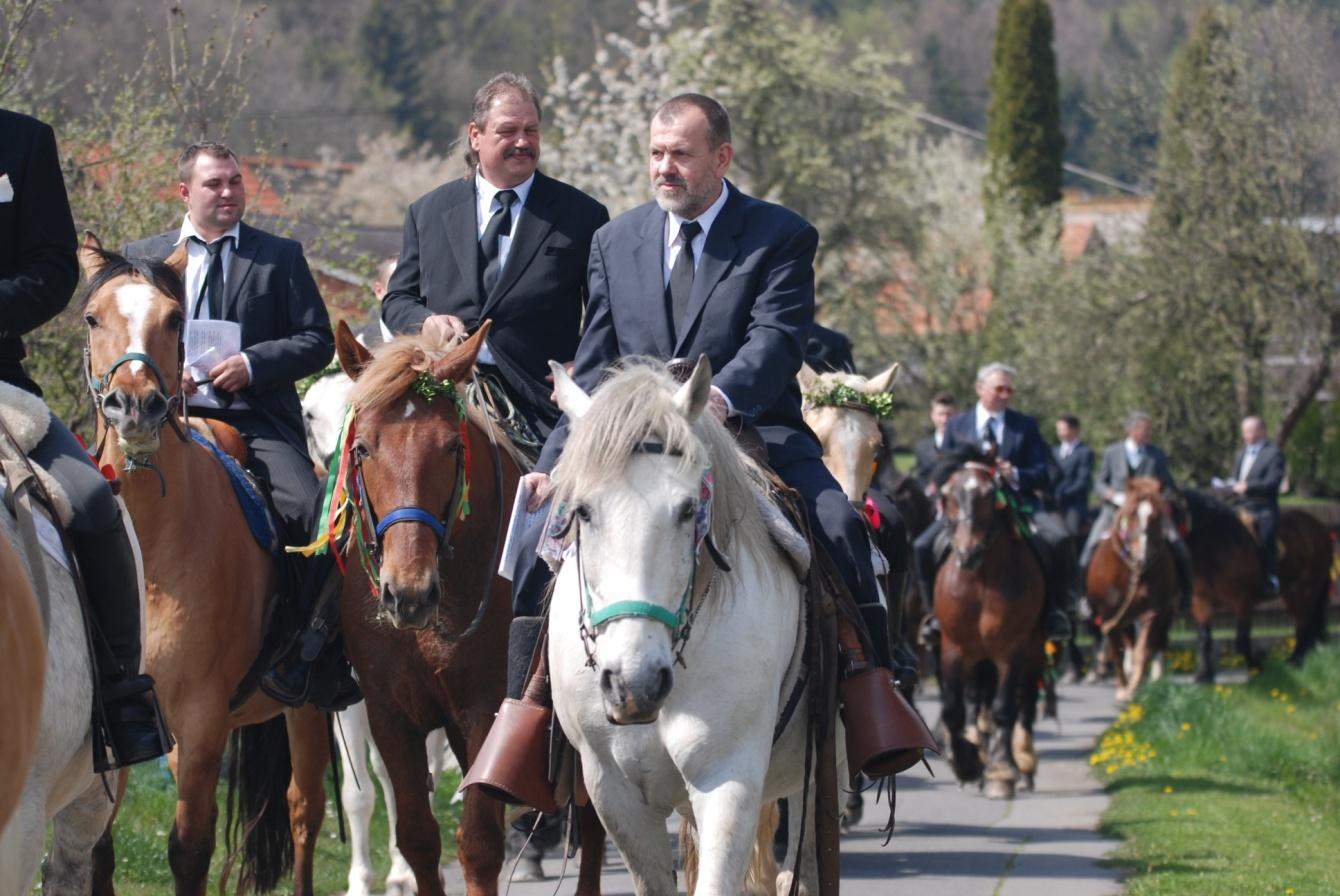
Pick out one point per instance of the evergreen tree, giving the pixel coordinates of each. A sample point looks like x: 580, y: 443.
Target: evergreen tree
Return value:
x: 1024, y: 140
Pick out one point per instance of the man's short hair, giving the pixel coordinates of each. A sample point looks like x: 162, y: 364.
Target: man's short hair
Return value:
x: 718, y: 122
x: 500, y: 85
x: 1136, y: 417
x: 944, y: 399
x: 986, y: 372
x: 186, y: 161
x: 1069, y: 420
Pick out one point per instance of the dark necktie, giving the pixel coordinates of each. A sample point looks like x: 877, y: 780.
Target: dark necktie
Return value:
x: 681, y: 276
x: 989, y: 435
x: 212, y: 287
x: 499, y: 224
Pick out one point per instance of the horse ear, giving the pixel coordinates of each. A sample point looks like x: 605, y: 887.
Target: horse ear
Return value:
x: 177, y: 260
x: 460, y: 361
x: 692, y: 396
x: 353, y: 356
x: 572, y: 399
x: 90, y: 255
x: 882, y: 382
x: 809, y: 380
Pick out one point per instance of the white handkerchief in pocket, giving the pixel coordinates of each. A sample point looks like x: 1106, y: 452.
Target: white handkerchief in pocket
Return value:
x: 6, y: 189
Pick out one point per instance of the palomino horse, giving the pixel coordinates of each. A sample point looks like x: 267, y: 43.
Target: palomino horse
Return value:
x: 429, y: 640
x: 645, y: 481
x: 208, y: 585
x: 1132, y: 583
x: 989, y: 600
x: 56, y: 780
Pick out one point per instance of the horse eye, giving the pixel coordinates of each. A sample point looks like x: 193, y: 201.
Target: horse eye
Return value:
x: 175, y: 321
x: 360, y: 451
x: 582, y: 513
x: 687, y: 510
x: 91, y: 321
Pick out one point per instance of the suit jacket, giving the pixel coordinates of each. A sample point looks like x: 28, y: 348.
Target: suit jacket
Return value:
x: 928, y: 456
x: 536, y: 305
x: 38, y: 268
x: 829, y: 351
x: 1073, y: 482
x: 286, y: 334
x: 1021, y: 444
x: 1264, y: 478
x: 750, y: 312
x: 1116, y: 469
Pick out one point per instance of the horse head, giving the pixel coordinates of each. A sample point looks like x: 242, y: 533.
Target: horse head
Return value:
x: 840, y: 410
x: 406, y: 462
x: 642, y: 478
x: 134, y: 312
x: 973, y: 512
x: 1139, y: 523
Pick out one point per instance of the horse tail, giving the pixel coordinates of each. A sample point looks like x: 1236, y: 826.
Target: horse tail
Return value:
x: 761, y: 878
x: 259, y: 769
x: 688, y: 853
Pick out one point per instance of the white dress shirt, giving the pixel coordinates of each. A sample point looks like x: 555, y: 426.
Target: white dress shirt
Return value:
x: 1135, y: 454
x: 1248, y: 459
x: 197, y: 266
x: 997, y: 423
x: 486, y: 203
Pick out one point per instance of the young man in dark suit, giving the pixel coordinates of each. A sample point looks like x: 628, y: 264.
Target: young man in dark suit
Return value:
x: 1025, y: 462
x: 38, y: 274
x: 1258, y: 473
x: 1074, y: 459
x: 931, y: 449
x: 261, y: 282
x: 505, y: 243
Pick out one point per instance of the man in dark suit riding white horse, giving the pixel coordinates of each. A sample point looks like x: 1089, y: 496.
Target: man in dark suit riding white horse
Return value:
x: 1258, y: 473
x: 1023, y: 461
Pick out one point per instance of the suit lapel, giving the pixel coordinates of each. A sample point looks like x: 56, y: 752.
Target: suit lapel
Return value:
x: 718, y: 253
x: 650, y: 263
x: 239, y: 268
x: 1009, y: 439
x: 530, y: 232
x: 463, y: 232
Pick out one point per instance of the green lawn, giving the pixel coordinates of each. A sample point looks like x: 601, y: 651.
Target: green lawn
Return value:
x: 1229, y: 789
x: 146, y: 818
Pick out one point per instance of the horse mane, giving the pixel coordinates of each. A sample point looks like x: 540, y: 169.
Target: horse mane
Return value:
x: 954, y: 460
x: 156, y: 273
x: 633, y: 405
x: 395, y: 366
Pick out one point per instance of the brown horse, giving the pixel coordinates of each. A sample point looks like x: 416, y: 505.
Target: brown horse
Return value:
x: 1132, y: 582
x: 1304, y: 562
x: 22, y: 670
x: 429, y: 639
x: 989, y: 600
x: 208, y: 584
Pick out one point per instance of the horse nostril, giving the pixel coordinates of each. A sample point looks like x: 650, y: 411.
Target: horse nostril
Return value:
x: 114, y: 402
x: 666, y: 680
x: 154, y: 405
x: 606, y: 681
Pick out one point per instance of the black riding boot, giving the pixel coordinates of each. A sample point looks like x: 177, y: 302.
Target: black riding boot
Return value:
x: 926, y: 564
x: 134, y: 725
x: 314, y: 668
x: 1057, y: 590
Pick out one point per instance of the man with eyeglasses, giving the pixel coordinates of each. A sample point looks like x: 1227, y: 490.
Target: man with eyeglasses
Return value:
x: 1023, y: 461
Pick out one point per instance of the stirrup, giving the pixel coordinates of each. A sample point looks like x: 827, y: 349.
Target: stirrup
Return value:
x: 1057, y: 626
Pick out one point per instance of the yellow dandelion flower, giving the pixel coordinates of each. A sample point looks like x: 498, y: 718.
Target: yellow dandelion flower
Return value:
x: 1186, y: 726
x: 1111, y: 769
x: 1290, y: 708
x: 1167, y: 788
x: 1174, y: 813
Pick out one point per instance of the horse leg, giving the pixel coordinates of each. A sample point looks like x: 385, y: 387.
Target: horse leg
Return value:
x: 359, y: 796
x: 727, y: 810
x: 416, y: 829
x: 966, y: 761
x: 309, y: 749
x: 1140, y: 655
x: 593, y: 852
x: 104, y: 851
x: 74, y: 831
x: 800, y: 854
x: 1025, y: 754
x: 200, y: 744
x: 1242, y: 638
x: 400, y: 879
x: 1001, y: 771
x: 637, y: 828
x: 1205, y: 653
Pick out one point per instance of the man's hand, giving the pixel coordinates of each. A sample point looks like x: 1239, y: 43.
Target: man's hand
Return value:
x: 567, y: 368
x: 1007, y: 470
x: 230, y: 374
x: 538, y: 485
x: 446, y: 327
x: 716, y: 403
x: 188, y: 386
x: 1240, y: 487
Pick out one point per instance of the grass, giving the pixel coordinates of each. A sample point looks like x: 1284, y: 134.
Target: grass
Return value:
x: 146, y: 818
x: 1229, y: 789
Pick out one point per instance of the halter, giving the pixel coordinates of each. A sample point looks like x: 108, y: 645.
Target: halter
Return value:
x: 97, y: 386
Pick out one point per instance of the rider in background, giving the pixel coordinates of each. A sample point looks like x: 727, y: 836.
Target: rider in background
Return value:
x: 1024, y: 464
x: 931, y: 450
x: 38, y: 274
x: 1135, y: 456
x: 1258, y: 473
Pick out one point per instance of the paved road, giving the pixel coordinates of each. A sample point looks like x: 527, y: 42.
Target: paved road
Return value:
x: 952, y: 842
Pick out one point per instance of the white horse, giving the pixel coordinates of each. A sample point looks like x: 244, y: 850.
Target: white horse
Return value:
x: 643, y: 467
x: 61, y: 786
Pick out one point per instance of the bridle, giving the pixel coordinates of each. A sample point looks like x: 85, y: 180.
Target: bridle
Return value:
x: 176, y: 402
x: 994, y: 527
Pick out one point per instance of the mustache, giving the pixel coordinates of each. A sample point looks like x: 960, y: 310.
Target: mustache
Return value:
x: 670, y: 181
x: 518, y: 151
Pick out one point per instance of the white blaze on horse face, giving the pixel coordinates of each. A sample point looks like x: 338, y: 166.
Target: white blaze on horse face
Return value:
x: 133, y: 301
x: 1144, y: 512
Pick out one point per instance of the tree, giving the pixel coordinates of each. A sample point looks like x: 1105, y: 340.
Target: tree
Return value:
x: 1024, y: 140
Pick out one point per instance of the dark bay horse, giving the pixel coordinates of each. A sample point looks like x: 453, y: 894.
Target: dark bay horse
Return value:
x: 989, y: 599
x: 207, y: 588
x: 435, y: 483
x: 1132, y: 583
x: 1304, y: 562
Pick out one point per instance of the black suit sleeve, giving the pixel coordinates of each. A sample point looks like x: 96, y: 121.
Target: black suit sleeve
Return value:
x: 1076, y: 484
x: 1265, y: 485
x: 1035, y: 461
x: 309, y: 345
x: 774, y: 343
x: 404, y: 308
x: 41, y: 284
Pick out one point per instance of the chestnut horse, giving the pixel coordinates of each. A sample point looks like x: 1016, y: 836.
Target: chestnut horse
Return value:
x: 1132, y: 583
x: 429, y: 639
x: 208, y: 584
x: 989, y: 600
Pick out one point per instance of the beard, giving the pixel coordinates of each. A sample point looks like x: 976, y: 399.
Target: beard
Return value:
x: 687, y: 204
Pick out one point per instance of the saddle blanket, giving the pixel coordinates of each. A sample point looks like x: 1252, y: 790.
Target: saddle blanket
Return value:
x: 248, y: 497
x: 48, y: 536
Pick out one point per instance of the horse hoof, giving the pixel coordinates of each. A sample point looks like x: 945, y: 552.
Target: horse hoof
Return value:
x: 528, y: 869
x: 401, y: 888
x: 999, y: 790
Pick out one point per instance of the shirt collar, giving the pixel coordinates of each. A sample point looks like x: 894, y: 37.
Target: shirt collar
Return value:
x: 1134, y: 450
x: 188, y: 230
x: 674, y: 221
x: 984, y: 415
x: 487, y: 191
